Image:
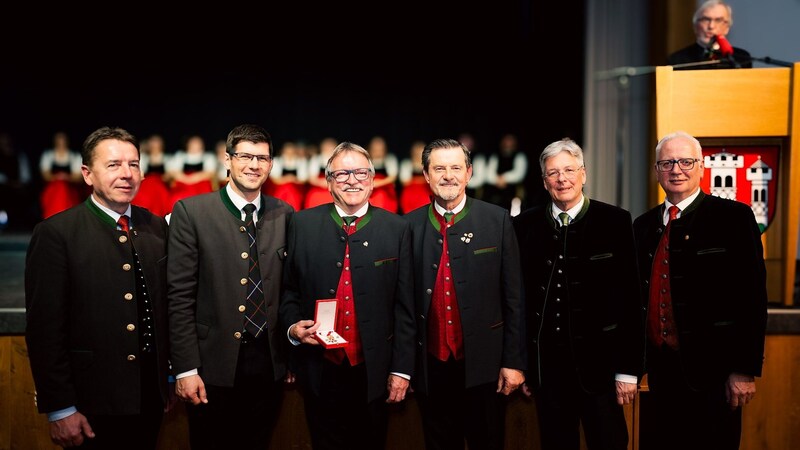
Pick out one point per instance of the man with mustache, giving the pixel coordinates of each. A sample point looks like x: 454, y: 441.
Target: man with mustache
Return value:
x: 468, y: 304
x: 360, y: 255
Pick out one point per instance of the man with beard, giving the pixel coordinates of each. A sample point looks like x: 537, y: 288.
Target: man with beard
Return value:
x: 468, y: 307
x: 360, y: 255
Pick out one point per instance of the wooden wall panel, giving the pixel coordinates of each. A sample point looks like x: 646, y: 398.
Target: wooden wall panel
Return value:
x: 771, y: 421
x: 5, y: 393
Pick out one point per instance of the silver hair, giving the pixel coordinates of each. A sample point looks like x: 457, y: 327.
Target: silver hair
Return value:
x: 681, y: 134
x: 711, y: 3
x: 348, y: 147
x: 564, y: 145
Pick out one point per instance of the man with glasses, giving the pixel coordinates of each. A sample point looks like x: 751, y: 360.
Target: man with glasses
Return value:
x: 360, y: 256
x: 224, y: 277
x: 468, y: 307
x: 704, y: 286
x: 584, y: 320
x: 712, y: 20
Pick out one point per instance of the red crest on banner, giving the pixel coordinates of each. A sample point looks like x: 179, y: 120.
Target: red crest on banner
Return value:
x: 748, y: 174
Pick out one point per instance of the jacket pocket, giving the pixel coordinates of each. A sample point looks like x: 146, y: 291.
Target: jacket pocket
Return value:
x: 281, y: 253
x: 497, y: 325
x: 707, y: 251
x: 481, y: 251
x: 601, y: 256
x: 385, y: 261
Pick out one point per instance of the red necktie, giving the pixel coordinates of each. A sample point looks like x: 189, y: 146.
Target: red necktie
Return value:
x: 123, y: 223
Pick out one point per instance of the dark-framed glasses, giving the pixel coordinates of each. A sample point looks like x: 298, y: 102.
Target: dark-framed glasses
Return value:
x: 569, y: 173
x: 717, y: 20
x: 665, y: 165
x: 247, y: 157
x: 343, y: 175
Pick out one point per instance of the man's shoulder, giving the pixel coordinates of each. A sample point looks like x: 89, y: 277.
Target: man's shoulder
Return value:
x: 315, y: 211
x: 531, y: 215
x: 607, y: 209
x: 141, y: 211
x: 641, y: 218
x: 313, y: 214
x: 689, y: 54
x: 201, y: 200
x: 275, y: 207
x: 417, y: 215
x: 389, y: 221
x: 142, y: 216
x: 485, y: 208
x: 725, y: 205
x: 64, y: 220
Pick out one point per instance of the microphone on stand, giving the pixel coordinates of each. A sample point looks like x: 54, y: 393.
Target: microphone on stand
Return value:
x: 725, y: 49
x: 773, y: 61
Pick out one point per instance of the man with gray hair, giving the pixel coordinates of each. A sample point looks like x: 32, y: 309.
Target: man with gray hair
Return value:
x: 468, y: 307
x: 712, y: 21
x: 584, y: 323
x: 360, y: 256
x: 704, y: 284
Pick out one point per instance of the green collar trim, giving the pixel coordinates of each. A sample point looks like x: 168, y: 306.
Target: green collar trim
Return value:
x: 99, y: 213
x: 584, y: 208
x: 549, y: 212
x: 226, y: 200
x: 359, y: 223
x: 435, y: 220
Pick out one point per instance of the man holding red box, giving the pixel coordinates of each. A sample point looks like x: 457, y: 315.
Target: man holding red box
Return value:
x: 360, y: 256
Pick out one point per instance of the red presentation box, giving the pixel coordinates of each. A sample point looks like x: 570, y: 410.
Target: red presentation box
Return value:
x: 325, y: 316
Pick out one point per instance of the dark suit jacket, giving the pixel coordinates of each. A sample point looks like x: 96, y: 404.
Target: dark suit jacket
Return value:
x: 206, y: 246
x: 718, y: 283
x: 77, y: 311
x: 603, y: 310
x: 380, y: 262
x: 697, y: 53
x: 486, y: 274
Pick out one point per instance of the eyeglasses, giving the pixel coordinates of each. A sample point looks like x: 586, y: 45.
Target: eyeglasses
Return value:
x: 247, y: 157
x: 569, y: 173
x: 667, y: 164
x: 716, y: 20
x: 343, y: 175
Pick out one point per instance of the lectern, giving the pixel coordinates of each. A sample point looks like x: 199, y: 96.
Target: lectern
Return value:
x: 750, y: 119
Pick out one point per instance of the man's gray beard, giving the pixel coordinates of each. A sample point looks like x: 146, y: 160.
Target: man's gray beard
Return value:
x: 450, y: 197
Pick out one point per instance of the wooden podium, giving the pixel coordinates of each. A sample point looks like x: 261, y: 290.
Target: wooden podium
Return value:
x: 744, y: 105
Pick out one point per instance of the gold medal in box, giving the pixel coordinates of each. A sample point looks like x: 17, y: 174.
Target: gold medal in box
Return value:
x: 325, y: 316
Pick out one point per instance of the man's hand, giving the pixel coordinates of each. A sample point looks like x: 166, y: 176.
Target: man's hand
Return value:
x: 739, y: 389
x: 71, y: 430
x: 527, y: 390
x: 290, y: 377
x: 303, y: 331
x: 509, y: 380
x: 397, y: 387
x: 191, y: 389
x: 625, y: 392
